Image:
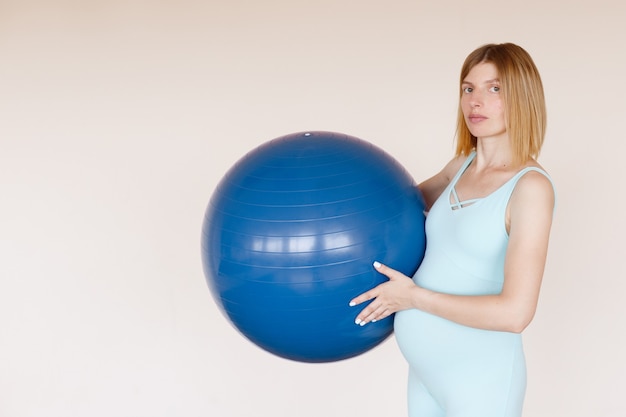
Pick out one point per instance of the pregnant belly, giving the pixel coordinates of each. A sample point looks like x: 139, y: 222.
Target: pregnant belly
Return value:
x: 440, y: 350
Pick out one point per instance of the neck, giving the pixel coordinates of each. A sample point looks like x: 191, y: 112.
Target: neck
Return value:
x: 493, y: 153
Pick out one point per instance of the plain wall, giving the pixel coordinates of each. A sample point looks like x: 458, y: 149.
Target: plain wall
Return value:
x: 119, y: 117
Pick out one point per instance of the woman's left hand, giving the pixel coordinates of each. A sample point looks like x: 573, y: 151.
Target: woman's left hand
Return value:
x: 388, y: 297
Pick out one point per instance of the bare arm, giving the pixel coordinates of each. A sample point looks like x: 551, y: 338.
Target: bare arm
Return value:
x: 530, y: 219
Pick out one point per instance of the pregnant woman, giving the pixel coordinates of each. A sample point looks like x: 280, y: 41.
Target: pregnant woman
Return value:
x: 459, y: 319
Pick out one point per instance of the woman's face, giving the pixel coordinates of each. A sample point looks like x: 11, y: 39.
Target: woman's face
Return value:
x: 482, y: 103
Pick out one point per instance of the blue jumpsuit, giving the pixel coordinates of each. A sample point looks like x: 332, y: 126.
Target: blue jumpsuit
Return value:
x: 455, y: 370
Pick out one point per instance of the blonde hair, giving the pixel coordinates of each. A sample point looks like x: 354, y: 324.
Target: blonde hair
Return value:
x: 523, y: 97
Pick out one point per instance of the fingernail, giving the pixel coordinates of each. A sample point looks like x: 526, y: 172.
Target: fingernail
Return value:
x: 352, y: 304
x: 362, y: 323
x: 358, y: 321
x: 377, y: 264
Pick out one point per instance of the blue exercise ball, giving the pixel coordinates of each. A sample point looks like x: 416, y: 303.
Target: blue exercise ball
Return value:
x: 290, y: 234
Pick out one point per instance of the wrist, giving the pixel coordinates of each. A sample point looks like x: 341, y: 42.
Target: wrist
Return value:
x: 417, y: 297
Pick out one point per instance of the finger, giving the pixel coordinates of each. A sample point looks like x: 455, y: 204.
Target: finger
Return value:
x: 387, y: 271
x: 383, y: 269
x: 371, y: 313
x: 383, y: 315
x: 373, y: 293
x: 366, y: 296
x: 364, y: 315
x: 372, y: 316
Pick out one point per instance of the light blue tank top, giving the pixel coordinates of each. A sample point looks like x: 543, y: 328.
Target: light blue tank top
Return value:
x: 457, y: 365
x: 467, y: 240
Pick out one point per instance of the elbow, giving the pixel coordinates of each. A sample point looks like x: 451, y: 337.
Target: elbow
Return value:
x: 517, y: 327
x: 518, y: 323
x: 516, y: 313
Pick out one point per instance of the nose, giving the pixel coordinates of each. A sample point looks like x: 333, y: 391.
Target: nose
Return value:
x: 475, y: 100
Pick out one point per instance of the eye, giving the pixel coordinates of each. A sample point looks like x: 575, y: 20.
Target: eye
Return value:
x: 495, y: 89
x: 467, y: 90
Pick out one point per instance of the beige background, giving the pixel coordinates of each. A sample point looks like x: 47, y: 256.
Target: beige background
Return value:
x: 118, y: 117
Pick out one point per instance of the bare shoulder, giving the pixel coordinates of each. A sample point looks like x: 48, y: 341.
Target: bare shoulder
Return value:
x: 453, y: 166
x: 434, y: 186
x: 536, y: 179
x: 532, y: 203
x: 535, y: 188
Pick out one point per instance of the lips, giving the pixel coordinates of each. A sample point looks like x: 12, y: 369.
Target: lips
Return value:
x: 475, y: 118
